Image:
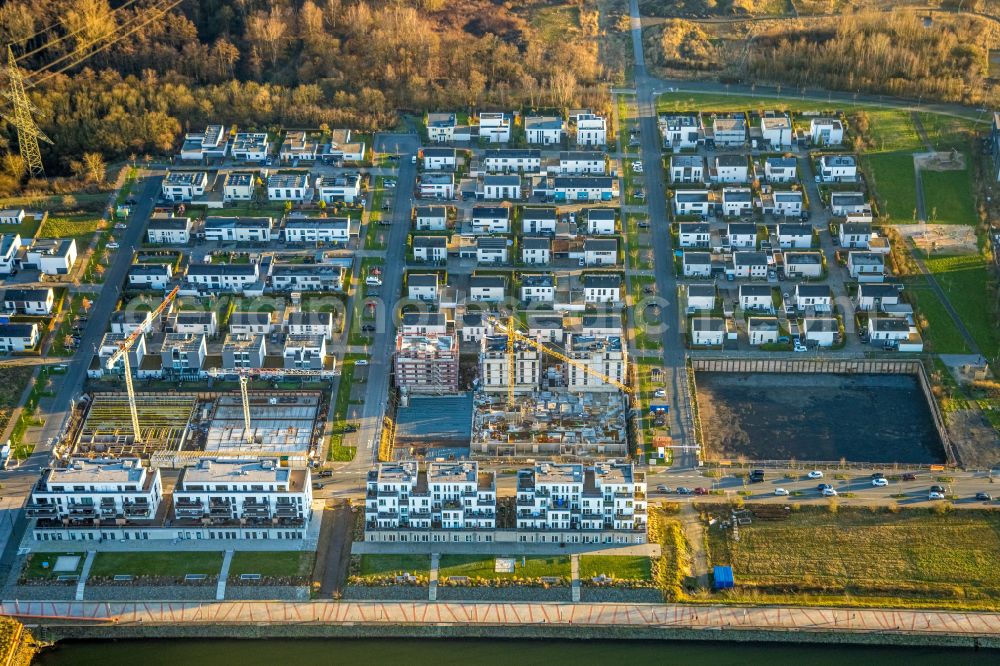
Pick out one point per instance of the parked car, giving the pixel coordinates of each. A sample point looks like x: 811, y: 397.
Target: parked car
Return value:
x: 112, y: 245
x: 909, y: 477
x: 799, y: 347
x: 935, y: 496
x: 781, y: 492
x: 361, y: 362
x: 700, y: 491
x: 815, y: 474
x: 637, y: 166
x: 662, y: 489
x: 660, y: 393
x: 829, y: 492
x: 684, y: 491
x: 324, y: 473
x: 880, y: 482
x: 985, y: 497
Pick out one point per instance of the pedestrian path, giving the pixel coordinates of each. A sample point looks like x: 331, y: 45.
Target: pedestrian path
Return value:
x: 491, y: 614
x: 432, y: 593
x: 220, y: 588
x: 81, y: 584
x: 575, y: 580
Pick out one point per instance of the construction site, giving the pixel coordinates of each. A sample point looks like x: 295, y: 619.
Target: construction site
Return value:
x: 176, y: 429
x: 550, y: 423
x: 530, y: 399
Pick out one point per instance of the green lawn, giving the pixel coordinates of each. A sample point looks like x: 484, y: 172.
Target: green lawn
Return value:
x: 394, y: 565
x: 912, y: 558
x: 948, y: 197
x: 621, y: 567
x: 686, y: 101
x: 476, y: 566
x: 27, y: 229
x: 337, y: 451
x: 173, y: 564
x: 940, y: 332
x: 80, y: 227
x: 947, y: 132
x: 272, y: 564
x: 892, y: 130
x: 895, y: 183
x: 34, y: 569
x: 963, y: 280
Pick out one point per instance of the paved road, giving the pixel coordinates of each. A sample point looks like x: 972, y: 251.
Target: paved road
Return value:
x: 380, y: 363
x: 680, y: 417
x: 648, y: 616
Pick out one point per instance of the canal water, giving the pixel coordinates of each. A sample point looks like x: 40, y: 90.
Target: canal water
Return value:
x: 488, y: 653
x: 824, y: 417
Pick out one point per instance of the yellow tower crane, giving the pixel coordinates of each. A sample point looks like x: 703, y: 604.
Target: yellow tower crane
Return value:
x: 122, y: 353
x: 514, y: 334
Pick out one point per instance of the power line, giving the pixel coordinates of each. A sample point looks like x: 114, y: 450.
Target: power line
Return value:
x: 53, y: 42
x: 157, y: 14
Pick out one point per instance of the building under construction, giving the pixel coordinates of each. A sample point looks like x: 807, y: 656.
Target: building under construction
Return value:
x: 550, y: 423
x: 180, y: 427
x: 427, y: 363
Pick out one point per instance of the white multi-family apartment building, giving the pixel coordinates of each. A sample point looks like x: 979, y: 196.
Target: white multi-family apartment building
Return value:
x: 251, y: 492
x: 826, y: 131
x: 538, y: 288
x: 239, y: 186
x: 494, y: 127
x: 344, y: 187
x: 440, y: 159
x: 591, y: 129
x: 491, y: 219
x: 838, y: 169
x: 184, y: 185
x: 18, y: 337
x: 501, y: 187
x: 227, y: 277
x: 406, y: 503
x: 687, y: 169
x: 251, y: 146
x: 602, y: 288
x: 317, y: 230
x: 780, y: 169
x: 238, y: 229
x: 538, y: 220
x: 150, y: 276
x: 441, y: 127
x: 29, y: 301
x: 601, y: 221
x: 582, y: 162
x: 680, y: 130
x: 546, y: 130
x: 512, y: 160
x: 307, y: 277
x: 309, y: 323
x: 603, y: 355
x: 691, y: 202
x: 437, y: 186
x: 430, y: 218
x: 776, y: 130
x: 88, y: 490
x: 169, y: 230
x: 572, y: 503
x: 730, y: 169
x: 288, y: 187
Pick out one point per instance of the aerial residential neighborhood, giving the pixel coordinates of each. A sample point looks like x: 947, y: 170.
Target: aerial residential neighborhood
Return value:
x: 505, y: 321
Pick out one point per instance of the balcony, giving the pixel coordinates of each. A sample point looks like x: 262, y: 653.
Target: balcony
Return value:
x: 138, y: 511
x: 42, y: 510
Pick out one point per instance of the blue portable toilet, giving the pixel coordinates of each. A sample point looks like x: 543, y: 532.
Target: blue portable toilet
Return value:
x: 722, y: 578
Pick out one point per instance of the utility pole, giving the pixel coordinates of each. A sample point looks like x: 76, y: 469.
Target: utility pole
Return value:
x: 28, y: 133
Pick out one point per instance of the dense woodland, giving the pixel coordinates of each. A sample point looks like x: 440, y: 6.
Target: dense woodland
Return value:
x: 304, y: 63
x: 893, y: 53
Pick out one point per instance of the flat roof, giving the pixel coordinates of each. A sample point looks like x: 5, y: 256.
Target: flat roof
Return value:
x: 438, y: 421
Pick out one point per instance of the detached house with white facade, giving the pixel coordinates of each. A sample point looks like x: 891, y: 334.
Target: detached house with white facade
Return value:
x: 544, y: 130
x: 781, y: 169
x: 591, y: 129
x: 538, y: 220
x: 289, y: 187
x: 687, y: 169
x: 494, y: 127
x: 184, y: 185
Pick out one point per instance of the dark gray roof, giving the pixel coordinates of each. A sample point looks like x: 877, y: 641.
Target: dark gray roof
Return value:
x: 422, y: 279
x: 609, y: 280
x: 754, y: 290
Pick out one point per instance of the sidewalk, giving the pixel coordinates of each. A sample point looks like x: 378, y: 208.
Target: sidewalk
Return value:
x: 637, y: 616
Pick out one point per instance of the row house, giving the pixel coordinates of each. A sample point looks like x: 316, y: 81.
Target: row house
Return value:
x: 318, y: 230
x: 238, y: 229
x: 150, y: 276
x: 582, y: 162
x: 223, y: 277
x: 583, y: 188
x: 289, y: 187
x: 307, y: 277
x: 512, y: 160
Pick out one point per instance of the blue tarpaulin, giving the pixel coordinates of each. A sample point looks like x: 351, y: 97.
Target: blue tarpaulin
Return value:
x: 722, y: 578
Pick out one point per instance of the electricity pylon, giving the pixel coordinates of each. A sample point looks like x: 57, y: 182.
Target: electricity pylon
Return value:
x: 28, y: 133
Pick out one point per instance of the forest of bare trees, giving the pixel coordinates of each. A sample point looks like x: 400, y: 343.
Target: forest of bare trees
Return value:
x: 264, y: 63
